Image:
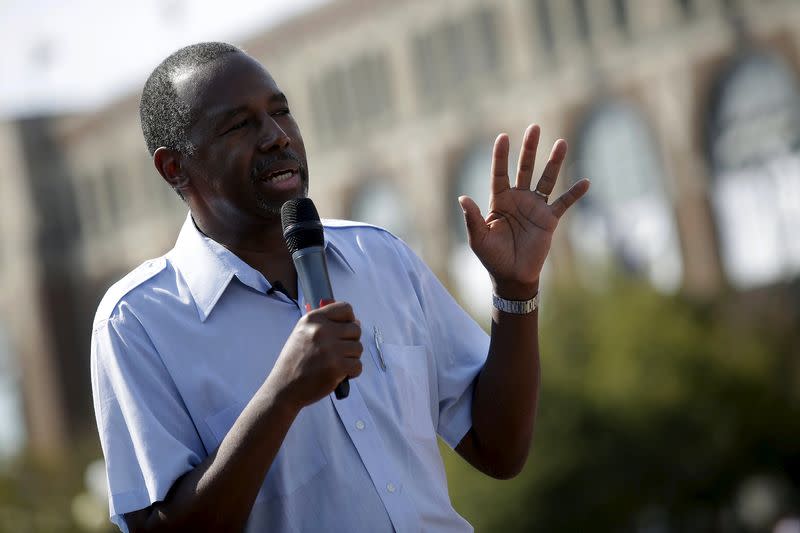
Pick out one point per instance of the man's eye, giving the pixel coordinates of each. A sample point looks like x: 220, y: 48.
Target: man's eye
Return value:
x: 284, y: 111
x: 237, y: 126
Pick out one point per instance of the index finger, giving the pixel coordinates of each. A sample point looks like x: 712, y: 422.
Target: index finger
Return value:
x: 548, y: 180
x: 560, y: 206
x: 338, y: 312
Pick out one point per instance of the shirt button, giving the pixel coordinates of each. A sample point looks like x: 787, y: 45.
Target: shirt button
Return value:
x: 390, y: 487
x: 360, y: 425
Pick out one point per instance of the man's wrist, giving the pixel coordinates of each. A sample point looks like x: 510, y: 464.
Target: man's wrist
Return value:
x: 280, y: 398
x: 513, y: 290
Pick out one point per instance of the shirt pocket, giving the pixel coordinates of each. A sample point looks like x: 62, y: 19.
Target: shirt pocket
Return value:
x: 299, y: 459
x: 407, y: 370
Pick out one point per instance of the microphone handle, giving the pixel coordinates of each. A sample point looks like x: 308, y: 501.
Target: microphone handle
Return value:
x: 312, y: 273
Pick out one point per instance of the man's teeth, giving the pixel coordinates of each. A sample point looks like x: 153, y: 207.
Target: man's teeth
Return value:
x: 282, y: 176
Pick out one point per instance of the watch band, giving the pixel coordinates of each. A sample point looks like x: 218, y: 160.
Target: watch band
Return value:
x: 516, y: 307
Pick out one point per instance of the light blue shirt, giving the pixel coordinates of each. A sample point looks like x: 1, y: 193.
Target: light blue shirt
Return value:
x: 182, y: 343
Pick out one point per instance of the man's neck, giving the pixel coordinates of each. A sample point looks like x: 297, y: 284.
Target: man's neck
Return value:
x: 261, y: 246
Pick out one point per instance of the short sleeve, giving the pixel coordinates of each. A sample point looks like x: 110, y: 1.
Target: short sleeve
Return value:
x: 459, y: 344
x: 147, y: 435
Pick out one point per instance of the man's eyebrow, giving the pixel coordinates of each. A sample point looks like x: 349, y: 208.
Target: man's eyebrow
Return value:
x: 224, y: 114
x: 278, y: 97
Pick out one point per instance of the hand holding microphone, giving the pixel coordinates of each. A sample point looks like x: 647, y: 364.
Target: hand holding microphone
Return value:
x: 323, y: 349
x: 325, y: 343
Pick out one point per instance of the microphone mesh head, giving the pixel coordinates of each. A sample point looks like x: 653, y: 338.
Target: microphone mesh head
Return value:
x: 301, y: 225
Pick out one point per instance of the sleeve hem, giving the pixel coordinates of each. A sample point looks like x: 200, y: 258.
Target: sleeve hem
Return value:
x: 127, y: 502
x: 457, y: 427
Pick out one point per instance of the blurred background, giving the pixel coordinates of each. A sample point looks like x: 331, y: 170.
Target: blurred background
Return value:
x: 671, y: 299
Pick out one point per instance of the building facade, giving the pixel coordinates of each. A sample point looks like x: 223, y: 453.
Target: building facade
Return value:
x: 685, y: 114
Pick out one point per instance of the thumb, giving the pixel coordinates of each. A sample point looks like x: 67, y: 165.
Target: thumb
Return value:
x: 476, y: 225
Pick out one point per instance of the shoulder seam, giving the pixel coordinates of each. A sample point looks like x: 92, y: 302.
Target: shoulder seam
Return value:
x: 124, y: 286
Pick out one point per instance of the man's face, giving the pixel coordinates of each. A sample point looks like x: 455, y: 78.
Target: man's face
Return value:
x: 249, y: 155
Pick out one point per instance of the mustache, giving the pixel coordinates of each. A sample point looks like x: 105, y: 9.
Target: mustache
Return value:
x: 273, y: 158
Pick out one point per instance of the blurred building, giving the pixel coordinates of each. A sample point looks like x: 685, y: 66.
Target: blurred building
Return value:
x: 685, y: 113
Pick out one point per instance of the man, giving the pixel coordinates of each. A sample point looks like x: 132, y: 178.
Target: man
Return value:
x: 211, y: 387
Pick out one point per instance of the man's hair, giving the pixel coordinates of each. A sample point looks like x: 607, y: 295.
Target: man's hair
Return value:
x: 165, y: 119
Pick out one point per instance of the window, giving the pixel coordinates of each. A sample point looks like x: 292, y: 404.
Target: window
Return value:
x: 582, y: 20
x: 729, y: 6
x: 340, y: 98
x: 545, y: 24
x: 754, y: 140
x: 627, y: 219
x: 351, y: 97
x: 376, y: 86
x: 426, y: 72
x: 380, y: 204
x: 458, y: 60
x: 621, y: 15
x: 455, y: 54
x: 488, y: 42
x: 443, y: 62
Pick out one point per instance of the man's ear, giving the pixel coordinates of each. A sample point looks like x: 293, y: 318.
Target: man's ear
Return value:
x: 169, y: 164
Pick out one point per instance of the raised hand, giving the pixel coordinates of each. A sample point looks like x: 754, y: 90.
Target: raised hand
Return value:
x: 514, y: 239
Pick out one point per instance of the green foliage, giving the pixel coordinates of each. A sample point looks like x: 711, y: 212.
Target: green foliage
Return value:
x: 37, y: 497
x: 654, y: 411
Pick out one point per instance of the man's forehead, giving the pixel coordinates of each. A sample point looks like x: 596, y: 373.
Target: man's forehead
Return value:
x: 222, y: 82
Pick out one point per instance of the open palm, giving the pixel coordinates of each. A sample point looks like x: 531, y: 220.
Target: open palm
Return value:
x: 514, y: 239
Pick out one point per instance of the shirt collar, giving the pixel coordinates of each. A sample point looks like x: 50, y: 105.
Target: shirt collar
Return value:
x: 208, y: 267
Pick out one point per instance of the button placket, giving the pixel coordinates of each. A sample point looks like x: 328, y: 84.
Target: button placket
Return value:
x: 380, y: 466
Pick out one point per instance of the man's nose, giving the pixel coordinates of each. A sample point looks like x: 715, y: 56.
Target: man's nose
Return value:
x: 272, y: 135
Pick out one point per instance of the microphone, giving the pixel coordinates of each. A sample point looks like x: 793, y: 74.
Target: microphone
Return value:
x: 302, y: 231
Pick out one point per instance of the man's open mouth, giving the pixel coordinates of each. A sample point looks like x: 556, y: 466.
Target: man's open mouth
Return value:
x: 278, y: 173
x: 281, y: 175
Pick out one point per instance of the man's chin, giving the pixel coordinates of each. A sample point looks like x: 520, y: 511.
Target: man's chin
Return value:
x: 271, y: 208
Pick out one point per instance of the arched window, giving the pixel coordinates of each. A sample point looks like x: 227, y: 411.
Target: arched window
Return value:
x: 626, y: 219
x: 380, y: 204
x: 754, y: 144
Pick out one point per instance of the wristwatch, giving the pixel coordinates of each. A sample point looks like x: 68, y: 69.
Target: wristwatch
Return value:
x: 516, y: 307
